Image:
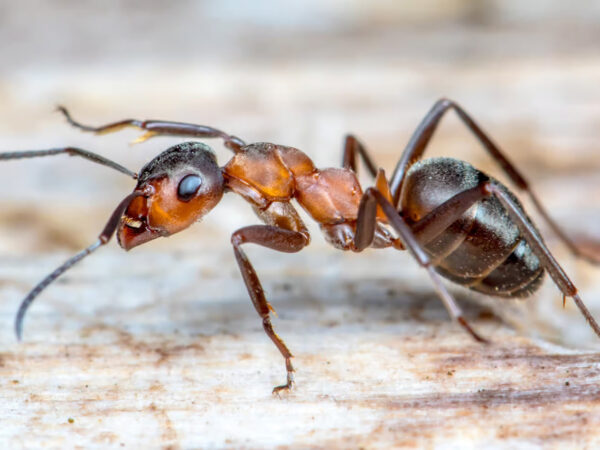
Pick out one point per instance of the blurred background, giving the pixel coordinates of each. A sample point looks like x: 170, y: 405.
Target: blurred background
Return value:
x: 299, y: 73
x: 303, y: 75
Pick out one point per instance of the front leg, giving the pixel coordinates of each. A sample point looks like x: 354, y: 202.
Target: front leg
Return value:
x: 279, y: 239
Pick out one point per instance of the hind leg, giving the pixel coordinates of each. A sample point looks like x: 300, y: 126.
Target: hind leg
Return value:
x: 418, y: 144
x: 366, y: 223
x: 538, y: 246
x: 437, y: 220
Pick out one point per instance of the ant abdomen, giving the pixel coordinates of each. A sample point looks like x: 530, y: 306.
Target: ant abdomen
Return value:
x: 482, y: 250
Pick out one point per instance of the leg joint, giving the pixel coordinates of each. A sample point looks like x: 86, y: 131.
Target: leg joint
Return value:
x: 445, y: 103
x: 488, y: 189
x: 237, y: 239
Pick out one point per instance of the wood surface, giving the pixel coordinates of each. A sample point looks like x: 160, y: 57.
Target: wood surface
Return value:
x: 161, y: 348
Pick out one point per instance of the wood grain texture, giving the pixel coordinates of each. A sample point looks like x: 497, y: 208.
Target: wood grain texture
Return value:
x: 161, y: 348
x: 185, y: 362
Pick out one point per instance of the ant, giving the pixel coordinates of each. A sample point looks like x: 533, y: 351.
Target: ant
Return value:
x: 456, y: 221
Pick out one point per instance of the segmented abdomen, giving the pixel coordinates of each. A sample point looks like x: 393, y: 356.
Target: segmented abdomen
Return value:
x: 484, y: 249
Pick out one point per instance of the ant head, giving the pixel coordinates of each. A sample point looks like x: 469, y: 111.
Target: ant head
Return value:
x: 177, y: 188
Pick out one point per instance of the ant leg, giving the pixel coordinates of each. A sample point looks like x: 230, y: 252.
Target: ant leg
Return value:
x: 281, y: 240
x: 560, y: 278
x: 365, y: 227
x: 440, y: 218
x: 72, y: 151
x: 352, y: 147
x: 420, y: 139
x: 160, y: 127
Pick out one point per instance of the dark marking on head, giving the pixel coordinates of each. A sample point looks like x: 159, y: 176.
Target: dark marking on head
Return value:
x: 178, y: 157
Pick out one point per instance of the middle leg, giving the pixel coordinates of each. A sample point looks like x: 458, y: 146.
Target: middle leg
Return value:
x: 365, y: 227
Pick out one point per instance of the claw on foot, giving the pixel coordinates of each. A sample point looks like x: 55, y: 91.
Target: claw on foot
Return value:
x: 285, y: 387
x: 471, y: 331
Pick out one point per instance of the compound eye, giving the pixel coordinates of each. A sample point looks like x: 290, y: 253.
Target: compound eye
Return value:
x: 188, y: 187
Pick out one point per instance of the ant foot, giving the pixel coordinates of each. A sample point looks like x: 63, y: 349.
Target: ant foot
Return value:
x: 285, y: 387
x: 462, y: 321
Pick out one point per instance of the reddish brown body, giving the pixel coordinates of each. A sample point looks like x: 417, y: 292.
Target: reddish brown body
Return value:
x: 454, y: 220
x: 330, y: 196
x: 268, y: 176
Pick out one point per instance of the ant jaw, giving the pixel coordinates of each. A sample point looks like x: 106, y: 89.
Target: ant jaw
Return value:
x: 133, y: 232
x: 132, y: 223
x: 133, y: 227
